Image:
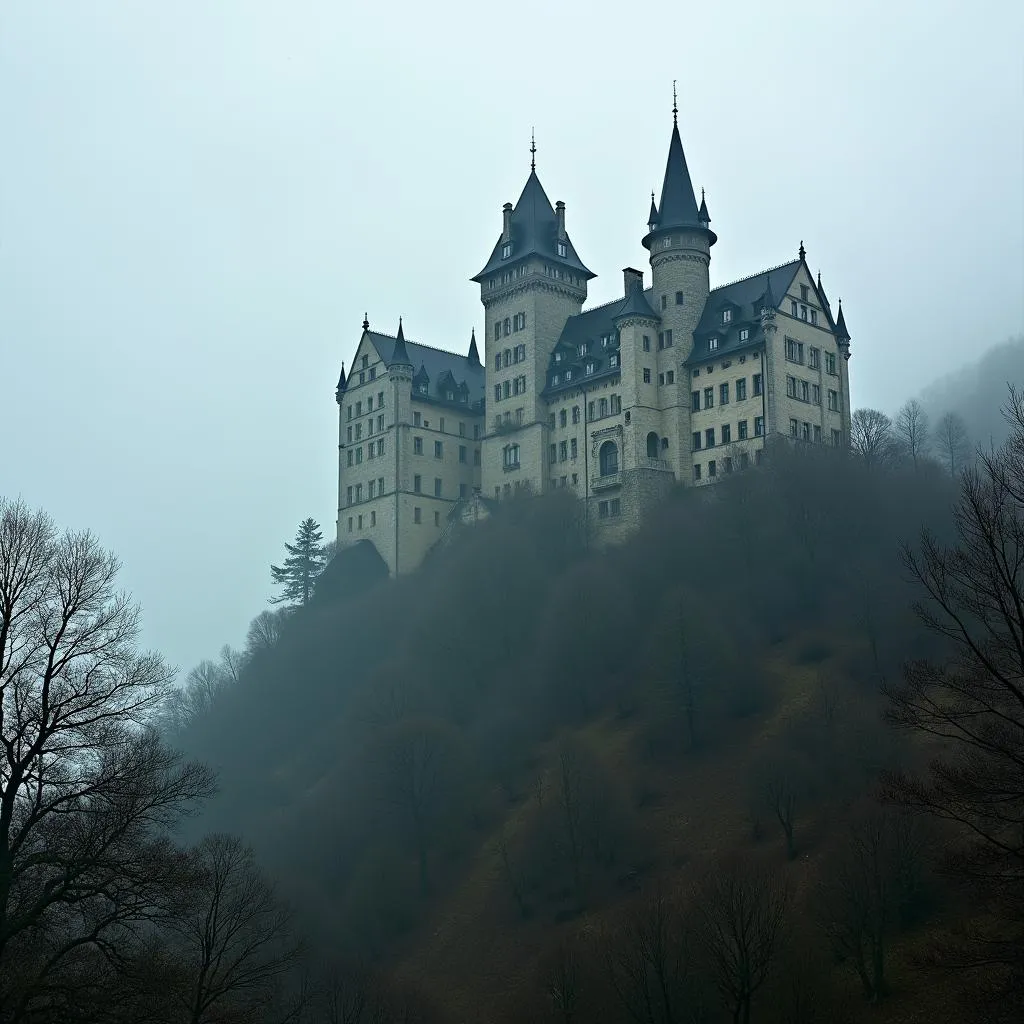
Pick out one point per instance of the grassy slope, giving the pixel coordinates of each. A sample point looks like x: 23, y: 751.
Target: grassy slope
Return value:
x: 473, y: 953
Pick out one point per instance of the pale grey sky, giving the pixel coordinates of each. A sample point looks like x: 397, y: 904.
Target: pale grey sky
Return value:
x: 198, y: 201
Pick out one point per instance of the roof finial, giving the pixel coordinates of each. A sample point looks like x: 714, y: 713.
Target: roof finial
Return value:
x: 533, y: 151
x: 803, y: 251
x: 366, y: 322
x: 675, y: 105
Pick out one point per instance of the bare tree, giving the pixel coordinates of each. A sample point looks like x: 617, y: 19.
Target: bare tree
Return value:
x: 973, y: 597
x: 864, y: 890
x: 740, y: 914
x: 871, y: 436
x: 911, y: 430
x: 264, y: 631
x: 951, y: 440
x: 86, y: 790
x: 648, y: 961
x: 234, y: 939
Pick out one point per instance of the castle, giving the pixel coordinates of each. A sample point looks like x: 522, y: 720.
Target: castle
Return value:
x: 675, y: 382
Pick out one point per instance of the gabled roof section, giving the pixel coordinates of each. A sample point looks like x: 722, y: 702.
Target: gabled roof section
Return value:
x: 434, y: 362
x: 746, y: 296
x: 534, y: 232
x: 635, y: 304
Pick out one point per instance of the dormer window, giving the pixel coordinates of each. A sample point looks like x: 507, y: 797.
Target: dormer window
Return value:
x: 712, y: 343
x: 726, y: 316
x: 562, y: 249
x: 558, y: 357
x: 583, y: 349
x: 590, y: 368
x: 744, y: 333
x: 568, y: 375
x: 554, y: 379
x: 423, y: 389
x: 614, y: 360
x: 506, y: 250
x: 666, y: 242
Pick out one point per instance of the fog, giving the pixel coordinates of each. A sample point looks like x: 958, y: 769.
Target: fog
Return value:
x: 199, y: 202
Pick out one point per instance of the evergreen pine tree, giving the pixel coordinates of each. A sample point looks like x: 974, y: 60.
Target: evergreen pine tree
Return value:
x: 306, y: 560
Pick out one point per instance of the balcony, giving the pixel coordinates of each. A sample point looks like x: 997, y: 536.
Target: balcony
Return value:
x: 661, y: 465
x: 607, y: 482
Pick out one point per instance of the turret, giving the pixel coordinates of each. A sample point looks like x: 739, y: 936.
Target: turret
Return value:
x: 400, y: 360
x: 340, y: 389
x: 679, y: 240
x: 473, y: 356
x: 842, y: 334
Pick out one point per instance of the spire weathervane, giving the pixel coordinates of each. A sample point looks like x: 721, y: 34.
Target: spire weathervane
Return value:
x: 533, y: 151
x: 675, y: 105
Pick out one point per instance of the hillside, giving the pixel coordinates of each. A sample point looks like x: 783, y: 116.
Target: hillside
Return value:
x: 462, y: 774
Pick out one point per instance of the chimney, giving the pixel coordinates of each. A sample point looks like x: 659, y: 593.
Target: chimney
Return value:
x: 560, y: 219
x: 506, y: 222
x: 629, y: 277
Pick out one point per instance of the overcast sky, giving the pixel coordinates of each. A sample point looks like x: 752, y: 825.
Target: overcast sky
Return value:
x: 199, y: 200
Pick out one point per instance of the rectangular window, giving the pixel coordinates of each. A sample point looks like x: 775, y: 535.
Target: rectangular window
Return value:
x: 661, y: 379
x: 417, y: 483
x: 380, y: 422
x: 615, y: 507
x: 348, y: 496
x: 670, y: 377
x: 833, y: 400
x: 349, y: 524
x: 417, y: 446
x: 616, y: 405
x: 575, y: 414
x: 359, y: 521
x: 359, y: 431
x: 814, y: 358
x: 723, y: 394
x: 741, y: 389
x: 437, y: 487
x: 817, y: 433
x: 562, y: 418
x: 359, y: 456
x: 709, y: 437
x: 830, y: 363
x: 814, y: 317
x: 373, y: 515
x: 664, y: 302
x: 359, y: 408
x: 668, y: 339
x: 712, y: 469
x: 350, y: 454
x: 380, y: 399
x: 726, y: 433
x: 696, y: 440
x: 837, y: 438
x: 417, y: 515
x: 416, y: 419
x: 380, y: 485
x: 552, y: 452
x: 695, y: 401
x: 816, y: 394
x: 590, y: 410
x: 661, y: 337
x: 804, y: 391
x: 359, y: 492
x: 805, y: 431
x: 441, y: 427
x: 372, y: 487
x: 792, y: 307
x: 726, y: 318
x: 602, y: 506
x: 462, y: 453
x: 438, y: 450
x: 647, y: 343
x: 758, y: 384
x: 794, y: 428
x: 348, y: 411
x: 791, y: 387
x: 696, y: 474
x: 647, y: 375
x: 803, y: 312
x: 563, y: 451
x: 573, y: 448
x: 679, y: 298
x: 476, y: 456
x: 709, y: 398
x: 758, y: 426
x: 741, y: 430
x: 744, y: 333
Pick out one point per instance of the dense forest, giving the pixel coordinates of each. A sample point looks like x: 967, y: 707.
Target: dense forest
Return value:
x: 760, y: 762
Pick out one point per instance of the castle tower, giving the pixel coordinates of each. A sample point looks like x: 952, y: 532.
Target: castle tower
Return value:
x: 532, y: 283
x: 400, y: 374
x: 679, y: 241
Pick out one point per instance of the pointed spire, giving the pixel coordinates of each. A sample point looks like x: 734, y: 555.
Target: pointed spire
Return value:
x: 675, y: 105
x: 341, y: 379
x: 533, y: 151
x: 366, y: 322
x: 652, y: 219
x: 821, y: 292
x: 702, y: 214
x: 802, y: 252
x: 400, y: 354
x: 768, y: 302
x: 474, y: 355
x: 841, y: 332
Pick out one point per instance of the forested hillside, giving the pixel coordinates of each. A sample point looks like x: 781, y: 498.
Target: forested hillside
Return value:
x: 507, y: 769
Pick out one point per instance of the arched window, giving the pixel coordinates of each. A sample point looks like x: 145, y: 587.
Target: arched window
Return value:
x: 652, y: 445
x: 609, y: 457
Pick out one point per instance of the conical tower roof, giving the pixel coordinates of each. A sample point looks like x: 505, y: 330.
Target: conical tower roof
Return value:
x: 473, y: 355
x: 841, y: 332
x: 400, y: 354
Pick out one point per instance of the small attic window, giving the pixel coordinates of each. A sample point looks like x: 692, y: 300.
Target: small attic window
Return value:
x: 583, y: 348
x: 558, y: 357
x: 562, y: 249
x: 744, y: 333
x: 590, y: 368
x: 726, y: 316
x: 712, y: 343
x: 506, y: 250
x: 422, y: 389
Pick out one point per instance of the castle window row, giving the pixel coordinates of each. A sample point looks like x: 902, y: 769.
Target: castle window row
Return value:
x: 563, y: 451
x: 373, y: 521
x: 611, y: 509
x: 728, y: 464
x: 707, y: 439
x: 374, y: 450
x: 679, y: 300
x: 723, y: 393
x: 802, y: 391
x: 803, y: 431
x: 374, y: 489
x: 563, y: 417
x: 506, y: 419
x: 510, y: 325
x: 357, y: 409
x: 562, y: 481
x: 510, y: 356
x: 668, y: 377
x: 795, y: 354
x: 510, y: 388
x: 803, y: 311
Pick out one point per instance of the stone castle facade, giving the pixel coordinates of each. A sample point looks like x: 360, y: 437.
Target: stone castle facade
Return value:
x: 673, y: 382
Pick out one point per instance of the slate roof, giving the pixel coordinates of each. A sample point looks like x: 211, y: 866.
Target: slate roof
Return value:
x: 841, y: 332
x: 435, y: 363
x: 534, y: 230
x: 636, y: 304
